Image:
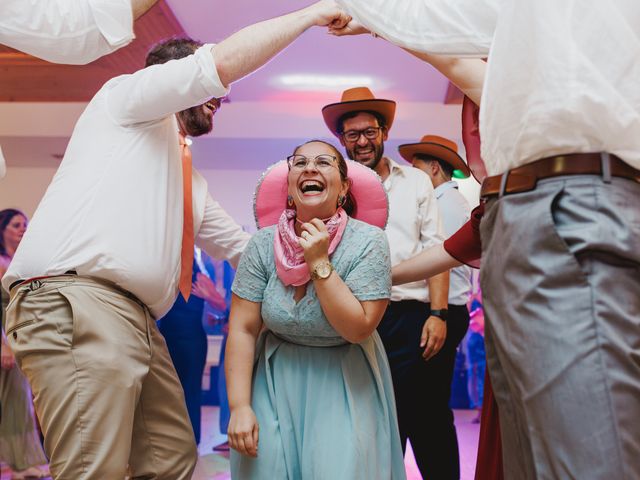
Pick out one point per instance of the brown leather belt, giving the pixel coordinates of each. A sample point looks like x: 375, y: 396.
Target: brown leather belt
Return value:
x: 525, y: 178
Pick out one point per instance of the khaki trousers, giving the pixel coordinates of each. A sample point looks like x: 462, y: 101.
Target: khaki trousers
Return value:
x: 105, y: 390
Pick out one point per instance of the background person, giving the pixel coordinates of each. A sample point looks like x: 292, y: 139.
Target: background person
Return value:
x: 20, y: 443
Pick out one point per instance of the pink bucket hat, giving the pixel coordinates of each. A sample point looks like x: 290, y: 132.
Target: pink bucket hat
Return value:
x: 372, y: 203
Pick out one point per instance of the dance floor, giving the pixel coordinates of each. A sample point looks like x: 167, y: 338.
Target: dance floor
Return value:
x: 213, y: 466
x: 216, y: 467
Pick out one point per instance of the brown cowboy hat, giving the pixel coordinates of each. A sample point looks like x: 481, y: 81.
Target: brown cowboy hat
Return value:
x: 356, y: 100
x: 438, y: 147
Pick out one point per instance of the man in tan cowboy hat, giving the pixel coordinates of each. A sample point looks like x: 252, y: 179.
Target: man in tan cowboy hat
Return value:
x: 414, y: 326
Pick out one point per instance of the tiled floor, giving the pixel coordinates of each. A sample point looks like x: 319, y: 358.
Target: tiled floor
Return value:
x: 213, y: 466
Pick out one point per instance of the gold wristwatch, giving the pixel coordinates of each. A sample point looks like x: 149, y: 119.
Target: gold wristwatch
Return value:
x: 321, y: 271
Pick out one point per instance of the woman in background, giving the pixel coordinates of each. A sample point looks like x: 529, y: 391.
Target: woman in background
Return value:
x: 20, y: 445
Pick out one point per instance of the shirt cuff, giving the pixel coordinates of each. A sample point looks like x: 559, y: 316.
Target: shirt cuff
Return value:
x: 465, y: 245
x: 114, y: 19
x: 211, y: 79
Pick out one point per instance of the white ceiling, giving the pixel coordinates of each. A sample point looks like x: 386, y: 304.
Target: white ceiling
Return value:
x: 394, y: 73
x: 264, y: 120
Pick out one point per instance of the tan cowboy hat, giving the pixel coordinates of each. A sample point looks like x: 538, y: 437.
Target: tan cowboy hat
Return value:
x: 357, y: 100
x: 438, y: 147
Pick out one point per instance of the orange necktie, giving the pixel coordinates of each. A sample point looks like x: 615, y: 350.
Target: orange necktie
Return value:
x: 186, y: 252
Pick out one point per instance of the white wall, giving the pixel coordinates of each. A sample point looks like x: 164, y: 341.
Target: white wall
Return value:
x: 23, y: 187
x: 233, y: 189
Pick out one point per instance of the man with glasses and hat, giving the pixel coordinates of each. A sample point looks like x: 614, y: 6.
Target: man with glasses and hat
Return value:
x: 414, y: 327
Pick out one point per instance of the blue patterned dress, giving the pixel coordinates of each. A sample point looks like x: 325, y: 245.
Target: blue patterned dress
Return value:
x: 325, y: 407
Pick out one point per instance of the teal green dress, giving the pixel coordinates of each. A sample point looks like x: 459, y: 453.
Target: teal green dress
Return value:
x: 325, y: 407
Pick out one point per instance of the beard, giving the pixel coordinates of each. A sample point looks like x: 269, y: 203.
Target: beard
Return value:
x: 378, y: 152
x: 195, y: 121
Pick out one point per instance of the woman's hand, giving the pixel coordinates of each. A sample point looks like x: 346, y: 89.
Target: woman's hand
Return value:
x: 7, y: 359
x: 205, y: 288
x: 243, y: 431
x: 314, y: 240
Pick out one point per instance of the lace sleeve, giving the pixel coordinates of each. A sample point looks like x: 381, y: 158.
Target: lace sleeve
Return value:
x: 252, y: 276
x: 370, y: 278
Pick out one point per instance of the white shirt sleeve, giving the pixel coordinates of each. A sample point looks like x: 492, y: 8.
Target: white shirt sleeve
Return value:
x: 462, y: 28
x: 431, y: 229
x: 66, y: 31
x: 219, y: 235
x: 161, y: 90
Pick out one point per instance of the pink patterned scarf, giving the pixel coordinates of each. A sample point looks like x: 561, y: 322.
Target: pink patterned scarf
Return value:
x: 289, y: 255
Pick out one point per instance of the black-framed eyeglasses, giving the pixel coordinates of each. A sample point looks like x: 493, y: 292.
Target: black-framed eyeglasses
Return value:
x: 370, y: 133
x: 320, y: 162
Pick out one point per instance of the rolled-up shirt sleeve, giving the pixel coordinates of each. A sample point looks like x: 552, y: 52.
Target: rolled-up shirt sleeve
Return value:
x: 465, y: 245
x: 219, y: 235
x: 462, y: 28
x: 66, y: 31
x: 161, y: 90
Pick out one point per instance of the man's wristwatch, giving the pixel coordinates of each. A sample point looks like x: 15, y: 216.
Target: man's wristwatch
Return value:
x: 442, y: 314
x: 321, y: 271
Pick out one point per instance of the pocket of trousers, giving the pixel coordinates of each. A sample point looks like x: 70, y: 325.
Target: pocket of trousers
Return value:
x: 570, y: 228
x: 45, y: 323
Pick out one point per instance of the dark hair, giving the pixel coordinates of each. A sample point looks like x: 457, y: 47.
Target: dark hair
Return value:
x: 171, y: 49
x: 5, y: 217
x: 382, y: 121
x: 349, y: 204
x: 447, y: 168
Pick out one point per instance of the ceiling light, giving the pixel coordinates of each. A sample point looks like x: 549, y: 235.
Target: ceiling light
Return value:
x: 317, y: 82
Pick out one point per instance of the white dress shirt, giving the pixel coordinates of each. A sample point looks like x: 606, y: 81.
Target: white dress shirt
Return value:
x: 562, y: 75
x: 66, y: 31
x: 414, y: 222
x: 114, y: 208
x: 455, y: 211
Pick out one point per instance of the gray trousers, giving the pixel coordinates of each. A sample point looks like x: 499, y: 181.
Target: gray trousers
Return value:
x: 561, y: 284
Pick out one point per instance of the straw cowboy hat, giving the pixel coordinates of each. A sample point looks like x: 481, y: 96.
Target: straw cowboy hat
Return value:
x: 356, y: 100
x: 438, y: 147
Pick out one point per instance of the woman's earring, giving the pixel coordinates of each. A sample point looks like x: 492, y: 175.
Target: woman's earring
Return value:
x: 289, y: 201
x: 341, y: 200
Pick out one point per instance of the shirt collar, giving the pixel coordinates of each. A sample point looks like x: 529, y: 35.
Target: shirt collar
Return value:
x: 441, y: 189
x: 394, y: 167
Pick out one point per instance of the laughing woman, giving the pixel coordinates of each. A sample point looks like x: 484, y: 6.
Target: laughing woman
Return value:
x: 312, y: 385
